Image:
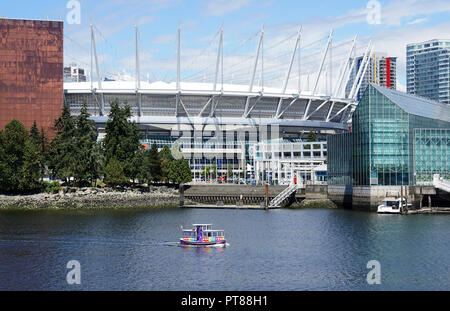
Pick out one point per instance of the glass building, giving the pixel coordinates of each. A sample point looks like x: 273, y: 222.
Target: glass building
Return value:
x: 428, y: 69
x: 396, y: 139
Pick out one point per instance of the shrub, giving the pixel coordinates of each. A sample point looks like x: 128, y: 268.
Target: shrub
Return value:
x: 50, y: 187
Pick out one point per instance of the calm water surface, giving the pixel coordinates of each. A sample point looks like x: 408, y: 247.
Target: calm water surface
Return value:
x: 269, y: 250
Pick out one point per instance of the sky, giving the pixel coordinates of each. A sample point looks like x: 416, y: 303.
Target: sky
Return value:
x: 389, y: 24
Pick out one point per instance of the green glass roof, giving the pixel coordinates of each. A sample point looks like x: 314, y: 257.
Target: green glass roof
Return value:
x: 415, y: 105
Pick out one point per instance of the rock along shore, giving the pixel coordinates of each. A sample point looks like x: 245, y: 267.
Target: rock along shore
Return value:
x: 315, y: 203
x: 160, y: 196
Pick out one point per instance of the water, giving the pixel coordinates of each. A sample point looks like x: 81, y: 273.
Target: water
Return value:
x: 268, y: 250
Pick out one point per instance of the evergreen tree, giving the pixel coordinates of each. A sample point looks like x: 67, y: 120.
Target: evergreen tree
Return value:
x: 43, y: 142
x: 31, y: 171
x: 165, y: 156
x: 180, y: 171
x: 34, y: 134
x: 154, y: 163
x: 122, y: 140
x: 39, y: 141
x: 13, y: 141
x: 3, y: 166
x: 85, y: 151
x: 312, y: 136
x: 114, y: 173
x: 62, y: 159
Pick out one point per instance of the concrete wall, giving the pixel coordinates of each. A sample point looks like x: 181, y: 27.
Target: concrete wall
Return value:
x: 232, y: 193
x: 340, y: 195
x: 368, y: 198
x: 316, y: 192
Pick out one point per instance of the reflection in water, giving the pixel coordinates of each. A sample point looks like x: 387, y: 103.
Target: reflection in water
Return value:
x: 275, y: 250
x: 204, y: 249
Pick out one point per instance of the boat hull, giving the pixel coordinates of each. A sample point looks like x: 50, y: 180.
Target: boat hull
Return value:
x: 198, y: 243
x: 388, y: 210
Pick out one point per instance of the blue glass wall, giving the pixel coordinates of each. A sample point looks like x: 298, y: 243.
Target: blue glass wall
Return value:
x: 389, y: 146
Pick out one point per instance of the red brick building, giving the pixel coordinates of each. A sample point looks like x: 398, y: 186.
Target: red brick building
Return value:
x: 31, y: 72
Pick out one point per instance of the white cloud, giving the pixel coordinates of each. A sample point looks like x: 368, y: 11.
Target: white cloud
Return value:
x: 396, y: 11
x: 222, y: 7
x: 417, y: 21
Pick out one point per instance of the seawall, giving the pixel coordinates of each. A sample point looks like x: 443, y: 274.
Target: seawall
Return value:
x: 231, y: 194
x: 94, y: 198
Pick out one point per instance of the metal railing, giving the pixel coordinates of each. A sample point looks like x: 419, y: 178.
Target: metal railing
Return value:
x: 441, y: 183
x: 286, y: 193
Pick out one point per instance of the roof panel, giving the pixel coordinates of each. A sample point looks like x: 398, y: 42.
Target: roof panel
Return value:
x: 415, y: 105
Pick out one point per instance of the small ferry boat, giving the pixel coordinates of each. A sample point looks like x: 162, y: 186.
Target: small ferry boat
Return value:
x: 393, y: 205
x: 203, y: 235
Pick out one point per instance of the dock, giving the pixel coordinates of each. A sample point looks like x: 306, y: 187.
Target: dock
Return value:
x: 428, y: 210
x: 211, y: 206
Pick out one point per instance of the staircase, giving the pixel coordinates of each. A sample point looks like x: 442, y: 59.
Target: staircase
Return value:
x: 441, y: 183
x: 286, y: 193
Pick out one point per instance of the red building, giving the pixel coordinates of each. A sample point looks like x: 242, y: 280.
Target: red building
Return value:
x: 31, y: 72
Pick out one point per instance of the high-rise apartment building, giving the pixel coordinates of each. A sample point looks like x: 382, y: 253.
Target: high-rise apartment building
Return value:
x: 428, y: 69
x: 31, y: 72
x: 381, y: 70
x: 73, y: 73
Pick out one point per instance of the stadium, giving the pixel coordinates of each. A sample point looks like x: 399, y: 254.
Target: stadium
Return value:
x: 216, y: 123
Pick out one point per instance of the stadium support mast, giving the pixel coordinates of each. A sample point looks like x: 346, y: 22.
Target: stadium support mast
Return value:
x: 359, y: 74
x: 261, y: 38
x: 178, y: 55
x: 177, y: 99
x: 288, y: 73
x: 324, y: 57
x: 344, y: 69
x: 247, y: 109
x: 94, y: 50
x: 219, y: 58
x: 138, y: 71
x: 363, y: 73
x: 330, y: 37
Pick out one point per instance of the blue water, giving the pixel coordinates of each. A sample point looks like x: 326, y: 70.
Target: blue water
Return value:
x: 268, y: 250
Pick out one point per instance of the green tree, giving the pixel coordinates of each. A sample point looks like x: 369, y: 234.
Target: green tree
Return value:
x: 34, y: 134
x: 154, y: 163
x: 2, y: 161
x: 14, y: 139
x: 165, y: 156
x: 312, y: 136
x: 62, y: 160
x: 87, y: 164
x: 31, y: 170
x: 179, y: 171
x: 43, y: 141
x: 122, y: 140
x: 39, y: 139
x: 210, y: 171
x: 114, y: 173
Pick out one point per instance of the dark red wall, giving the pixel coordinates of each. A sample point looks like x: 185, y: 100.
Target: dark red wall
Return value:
x: 31, y: 72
